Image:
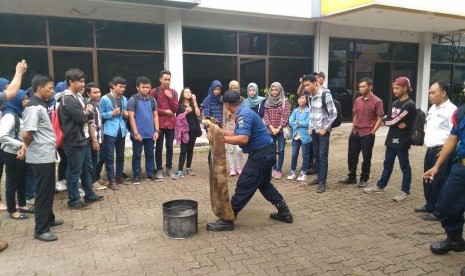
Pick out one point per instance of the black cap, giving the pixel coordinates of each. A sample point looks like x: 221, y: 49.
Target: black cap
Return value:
x: 320, y: 74
x: 231, y: 96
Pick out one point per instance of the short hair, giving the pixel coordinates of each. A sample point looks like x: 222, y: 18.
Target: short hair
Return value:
x: 309, y: 77
x: 443, y: 86
x: 73, y: 74
x: 118, y: 80
x: 367, y: 80
x: 164, y: 72
x: 89, y: 87
x: 40, y: 80
x: 143, y: 80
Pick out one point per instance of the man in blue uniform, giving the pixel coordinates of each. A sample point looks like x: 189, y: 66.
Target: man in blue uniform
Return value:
x: 252, y: 136
x: 451, y: 203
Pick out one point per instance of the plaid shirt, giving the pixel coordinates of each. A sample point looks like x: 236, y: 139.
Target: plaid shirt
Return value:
x: 319, y: 118
x: 277, y: 116
x: 215, y: 111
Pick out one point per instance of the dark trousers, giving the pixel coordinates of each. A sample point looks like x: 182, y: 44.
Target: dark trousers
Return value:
x: 388, y: 167
x: 365, y: 145
x: 311, y: 157
x: 62, y: 165
x: 432, y: 189
x: 321, y: 150
x: 137, y: 146
x: 44, y: 175
x: 167, y: 134
x: 95, y: 155
x: 451, y: 203
x: 187, y: 149
x: 99, y: 167
x: 112, y: 145
x: 15, y: 181
x: 256, y: 174
x: 31, y: 186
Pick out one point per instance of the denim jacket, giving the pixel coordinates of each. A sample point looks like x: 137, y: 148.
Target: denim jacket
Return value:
x: 112, y: 123
x: 302, y: 126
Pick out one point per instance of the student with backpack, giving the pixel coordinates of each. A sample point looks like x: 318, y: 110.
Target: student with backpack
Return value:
x: 144, y: 130
x: 368, y: 116
x: 400, y: 121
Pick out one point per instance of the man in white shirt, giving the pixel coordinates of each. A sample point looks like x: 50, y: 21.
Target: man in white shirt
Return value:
x: 438, y: 128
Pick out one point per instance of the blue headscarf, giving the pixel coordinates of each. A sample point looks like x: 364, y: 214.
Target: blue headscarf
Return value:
x: 211, y: 98
x: 252, y: 102
x: 16, y: 104
x: 3, y: 83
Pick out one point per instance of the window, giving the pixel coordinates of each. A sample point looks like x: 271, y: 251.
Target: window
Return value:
x: 64, y: 60
x: 441, y: 53
x: 408, y: 70
x: 253, y: 44
x: 23, y: 30
x: 120, y: 35
x: 209, y: 41
x: 68, y: 32
x: 291, y: 45
x: 406, y: 52
x: 287, y: 71
x: 341, y: 49
x: 373, y: 50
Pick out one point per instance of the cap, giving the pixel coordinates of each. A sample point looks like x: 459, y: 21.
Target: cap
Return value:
x: 231, y: 96
x: 320, y: 74
x: 403, y: 81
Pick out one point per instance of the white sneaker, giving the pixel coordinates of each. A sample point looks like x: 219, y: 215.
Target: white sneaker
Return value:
x: 401, y: 196
x: 61, y: 185
x: 97, y: 186
x: 291, y: 175
x: 373, y: 189
x: 302, y: 177
x: 81, y: 192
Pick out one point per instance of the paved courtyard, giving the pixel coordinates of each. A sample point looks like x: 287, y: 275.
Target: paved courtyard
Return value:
x: 339, y: 232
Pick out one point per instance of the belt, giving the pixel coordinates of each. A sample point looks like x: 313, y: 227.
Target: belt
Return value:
x: 462, y: 161
x: 435, y: 148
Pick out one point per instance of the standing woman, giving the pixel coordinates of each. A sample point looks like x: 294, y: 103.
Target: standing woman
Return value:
x: 276, y: 118
x: 212, y: 105
x: 254, y: 101
x: 189, y: 107
x: 233, y: 152
x: 11, y: 140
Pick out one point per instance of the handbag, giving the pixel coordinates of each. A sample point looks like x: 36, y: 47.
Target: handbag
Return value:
x: 287, y: 130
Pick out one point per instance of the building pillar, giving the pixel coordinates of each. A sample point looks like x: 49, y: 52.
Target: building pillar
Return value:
x: 173, y: 48
x: 424, y: 68
x: 321, y: 51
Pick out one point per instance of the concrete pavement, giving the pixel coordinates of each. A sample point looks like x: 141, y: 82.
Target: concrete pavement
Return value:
x: 340, y: 232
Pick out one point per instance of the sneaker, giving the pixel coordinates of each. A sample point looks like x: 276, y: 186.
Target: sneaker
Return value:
x: 61, y: 185
x: 232, y: 172
x: 190, y: 172
x: 401, y: 196
x: 78, y: 206
x: 155, y: 178
x: 125, y: 177
x: 97, y: 186
x: 278, y: 175
x: 178, y: 176
x: 302, y: 177
x: 373, y: 189
x: 136, y: 180
x: 81, y: 192
x: 239, y: 171
x: 291, y: 176
x: 169, y: 173
x: 321, y: 188
x: 159, y: 175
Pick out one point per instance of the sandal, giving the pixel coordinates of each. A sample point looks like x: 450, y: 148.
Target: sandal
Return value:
x: 21, y: 216
x: 27, y: 210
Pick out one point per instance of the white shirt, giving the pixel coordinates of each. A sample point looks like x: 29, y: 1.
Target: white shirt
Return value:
x: 439, y: 123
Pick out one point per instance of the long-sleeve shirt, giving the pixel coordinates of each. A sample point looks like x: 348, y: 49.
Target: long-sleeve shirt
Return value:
x: 401, y: 112
x: 7, y: 134
x: 321, y: 118
x: 164, y: 103
x: 277, y: 116
x: 300, y: 129
x: 215, y: 111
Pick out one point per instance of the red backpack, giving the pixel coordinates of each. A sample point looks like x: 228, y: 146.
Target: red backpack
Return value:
x: 56, y: 125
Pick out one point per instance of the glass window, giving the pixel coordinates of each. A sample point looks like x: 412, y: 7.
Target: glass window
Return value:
x: 120, y: 35
x: 291, y: 45
x: 201, y: 70
x: 408, y: 70
x: 64, y: 60
x: 288, y: 71
x: 373, y: 50
x: 441, y: 53
x: 440, y: 72
x: 209, y: 41
x: 37, y: 63
x: 68, y: 32
x: 460, y: 55
x: 128, y: 65
x: 341, y: 83
x: 252, y: 70
x: 253, y: 44
x: 341, y: 48
x: 25, y: 30
x: 405, y: 52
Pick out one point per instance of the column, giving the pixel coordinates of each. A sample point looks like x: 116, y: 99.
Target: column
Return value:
x: 173, y: 48
x: 424, y: 68
x: 321, y: 51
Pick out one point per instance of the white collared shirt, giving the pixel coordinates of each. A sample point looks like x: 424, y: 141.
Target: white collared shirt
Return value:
x: 439, y: 123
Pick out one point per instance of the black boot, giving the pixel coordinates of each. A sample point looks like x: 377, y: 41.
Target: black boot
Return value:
x: 221, y: 225
x: 283, y: 213
x: 454, y: 242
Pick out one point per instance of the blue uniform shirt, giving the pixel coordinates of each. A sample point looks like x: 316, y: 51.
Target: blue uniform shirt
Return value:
x: 249, y: 123
x: 458, y: 130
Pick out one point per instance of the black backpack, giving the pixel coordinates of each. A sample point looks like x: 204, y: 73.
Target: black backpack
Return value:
x: 338, y: 121
x: 417, y: 133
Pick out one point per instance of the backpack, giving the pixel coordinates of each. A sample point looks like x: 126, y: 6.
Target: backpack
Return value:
x: 338, y: 121
x: 136, y: 102
x: 417, y: 133
x: 56, y: 124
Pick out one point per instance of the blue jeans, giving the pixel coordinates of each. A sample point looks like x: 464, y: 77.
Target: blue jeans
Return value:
x: 79, y: 167
x: 321, y: 150
x: 149, y: 157
x: 112, y: 144
x: 296, y: 144
x: 389, y: 159
x: 279, y: 139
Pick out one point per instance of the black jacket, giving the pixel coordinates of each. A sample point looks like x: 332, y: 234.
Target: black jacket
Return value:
x: 73, y: 117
